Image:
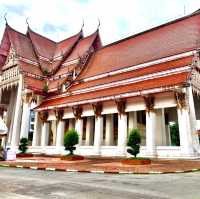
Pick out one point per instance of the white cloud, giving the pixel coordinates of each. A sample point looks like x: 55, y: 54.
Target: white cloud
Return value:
x: 119, y: 18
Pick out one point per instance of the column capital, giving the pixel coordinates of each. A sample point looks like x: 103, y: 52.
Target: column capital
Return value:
x: 180, y: 98
x: 97, y: 107
x: 28, y: 97
x: 149, y: 102
x: 121, y: 105
x: 43, y: 116
x: 77, y: 111
x: 59, y: 114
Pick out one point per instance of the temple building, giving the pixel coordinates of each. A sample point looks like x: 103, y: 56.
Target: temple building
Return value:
x: 149, y: 81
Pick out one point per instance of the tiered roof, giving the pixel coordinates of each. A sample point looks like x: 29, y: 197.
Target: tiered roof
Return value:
x: 42, y: 60
x: 156, y: 60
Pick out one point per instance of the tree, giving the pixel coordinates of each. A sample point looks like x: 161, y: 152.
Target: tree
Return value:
x: 134, y: 141
x: 23, y: 145
x: 71, y: 138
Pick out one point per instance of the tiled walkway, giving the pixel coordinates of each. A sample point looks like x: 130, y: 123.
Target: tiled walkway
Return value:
x: 104, y: 165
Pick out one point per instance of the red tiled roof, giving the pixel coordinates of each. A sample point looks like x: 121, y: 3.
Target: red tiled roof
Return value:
x: 55, y: 83
x: 33, y: 84
x: 64, y: 47
x: 21, y: 44
x: 135, y: 73
x: 176, y: 37
x: 171, y: 80
x: 30, y: 68
x: 43, y: 46
x: 82, y: 47
x: 65, y: 69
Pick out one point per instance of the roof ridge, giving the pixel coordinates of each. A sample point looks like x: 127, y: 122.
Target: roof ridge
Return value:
x: 8, y: 26
x: 40, y: 35
x: 69, y: 37
x: 90, y: 34
x: 197, y: 12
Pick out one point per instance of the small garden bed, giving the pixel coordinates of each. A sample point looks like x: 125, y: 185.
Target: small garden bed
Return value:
x: 71, y: 138
x: 134, y: 141
x: 24, y: 155
x: 136, y: 161
x: 72, y: 157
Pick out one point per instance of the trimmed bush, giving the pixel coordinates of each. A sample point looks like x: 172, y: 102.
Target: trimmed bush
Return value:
x: 71, y: 138
x: 134, y: 141
x: 174, y: 132
x: 23, y: 145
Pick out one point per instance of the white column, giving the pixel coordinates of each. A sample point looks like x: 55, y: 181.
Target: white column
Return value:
x: 60, y: 133
x: 37, y: 127
x: 98, y: 135
x: 3, y: 141
x: 132, y: 120
x: 195, y: 137
x: 45, y: 134
x: 79, y: 129
x: 109, y: 130
x: 17, y: 117
x: 185, y: 132
x: 89, y: 131
x: 25, y: 119
x: 11, y: 114
x: 150, y: 133
x: 122, y: 134
x: 161, y: 137
x: 37, y: 131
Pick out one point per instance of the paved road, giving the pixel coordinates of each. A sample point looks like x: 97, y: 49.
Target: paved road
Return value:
x: 31, y: 184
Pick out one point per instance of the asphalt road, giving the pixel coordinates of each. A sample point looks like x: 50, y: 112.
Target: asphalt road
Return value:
x: 33, y: 184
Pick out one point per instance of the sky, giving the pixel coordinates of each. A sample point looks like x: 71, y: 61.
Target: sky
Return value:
x: 59, y: 19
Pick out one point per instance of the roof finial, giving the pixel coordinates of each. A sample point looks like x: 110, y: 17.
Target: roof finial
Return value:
x: 98, y: 24
x: 82, y: 24
x: 5, y: 18
x: 27, y: 21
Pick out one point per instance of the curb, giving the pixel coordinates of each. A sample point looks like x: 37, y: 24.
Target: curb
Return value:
x: 97, y: 171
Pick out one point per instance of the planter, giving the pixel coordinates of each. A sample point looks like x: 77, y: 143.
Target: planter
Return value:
x: 136, y: 161
x: 24, y: 155
x: 72, y: 157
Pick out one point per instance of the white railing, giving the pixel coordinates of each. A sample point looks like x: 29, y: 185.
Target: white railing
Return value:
x: 9, y: 75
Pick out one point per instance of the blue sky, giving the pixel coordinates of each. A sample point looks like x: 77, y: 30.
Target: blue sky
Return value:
x: 58, y: 19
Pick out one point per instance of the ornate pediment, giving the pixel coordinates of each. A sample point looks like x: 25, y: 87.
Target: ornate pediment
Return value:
x: 11, y: 59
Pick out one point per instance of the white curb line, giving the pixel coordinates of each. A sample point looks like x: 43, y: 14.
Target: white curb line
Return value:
x: 50, y: 169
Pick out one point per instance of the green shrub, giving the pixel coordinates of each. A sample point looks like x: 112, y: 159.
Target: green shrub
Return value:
x: 134, y: 141
x: 23, y: 145
x: 71, y: 138
x: 174, y: 132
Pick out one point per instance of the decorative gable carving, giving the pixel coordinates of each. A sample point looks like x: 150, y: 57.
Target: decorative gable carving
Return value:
x: 11, y: 59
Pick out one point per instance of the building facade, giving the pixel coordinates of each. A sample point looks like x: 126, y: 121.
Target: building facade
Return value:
x: 149, y: 81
